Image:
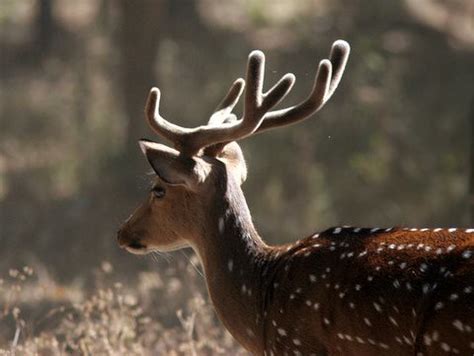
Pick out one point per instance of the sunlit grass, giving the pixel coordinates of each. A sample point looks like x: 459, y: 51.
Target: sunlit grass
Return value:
x: 163, y: 313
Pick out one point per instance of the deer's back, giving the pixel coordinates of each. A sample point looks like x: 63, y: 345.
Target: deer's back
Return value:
x: 355, y: 291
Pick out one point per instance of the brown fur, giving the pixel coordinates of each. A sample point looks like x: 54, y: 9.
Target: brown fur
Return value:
x: 345, y: 291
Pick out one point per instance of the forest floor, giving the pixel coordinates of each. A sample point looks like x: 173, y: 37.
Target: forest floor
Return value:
x: 157, y: 314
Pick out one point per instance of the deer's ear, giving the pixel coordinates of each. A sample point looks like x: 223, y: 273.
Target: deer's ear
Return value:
x: 233, y: 158
x: 173, y: 168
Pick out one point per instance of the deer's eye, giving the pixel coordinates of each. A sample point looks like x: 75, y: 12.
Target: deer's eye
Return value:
x: 158, y: 192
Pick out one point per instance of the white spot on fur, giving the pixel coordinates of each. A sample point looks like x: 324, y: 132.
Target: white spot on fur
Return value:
x: 230, y: 265
x: 426, y: 288
x: 458, y: 325
x: 445, y: 347
x: 221, y: 225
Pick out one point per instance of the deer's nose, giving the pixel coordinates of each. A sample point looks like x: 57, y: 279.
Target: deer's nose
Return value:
x: 126, y: 239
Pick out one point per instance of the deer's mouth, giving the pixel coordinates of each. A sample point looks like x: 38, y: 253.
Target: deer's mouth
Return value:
x: 136, y: 245
x: 132, y: 245
x: 137, y: 248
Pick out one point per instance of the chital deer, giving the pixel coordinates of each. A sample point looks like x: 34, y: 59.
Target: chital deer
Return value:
x: 344, y: 291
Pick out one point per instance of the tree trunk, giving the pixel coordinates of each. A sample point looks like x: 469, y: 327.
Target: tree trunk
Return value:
x: 44, y: 25
x: 138, y: 41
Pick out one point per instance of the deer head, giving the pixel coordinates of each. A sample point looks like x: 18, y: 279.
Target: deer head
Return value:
x: 206, y: 163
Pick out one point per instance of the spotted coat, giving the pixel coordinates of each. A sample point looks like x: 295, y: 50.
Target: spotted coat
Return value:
x: 372, y: 291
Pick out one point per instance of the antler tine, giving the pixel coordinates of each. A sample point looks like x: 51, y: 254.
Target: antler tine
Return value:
x: 255, y: 107
x: 162, y: 127
x: 339, y: 55
x: 256, y: 103
x: 227, y: 104
x: 327, y: 78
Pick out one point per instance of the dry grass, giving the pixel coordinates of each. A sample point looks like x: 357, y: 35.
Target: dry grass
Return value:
x: 160, y: 314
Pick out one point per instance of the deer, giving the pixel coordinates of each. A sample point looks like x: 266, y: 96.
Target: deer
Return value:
x: 342, y: 291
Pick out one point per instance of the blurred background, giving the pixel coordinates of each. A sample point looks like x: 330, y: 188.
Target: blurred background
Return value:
x: 394, y: 146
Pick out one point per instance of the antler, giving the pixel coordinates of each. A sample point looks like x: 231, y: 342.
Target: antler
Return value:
x: 327, y: 79
x: 223, y: 127
x: 190, y: 140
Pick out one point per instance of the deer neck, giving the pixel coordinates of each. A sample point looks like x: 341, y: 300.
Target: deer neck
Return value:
x: 234, y: 258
